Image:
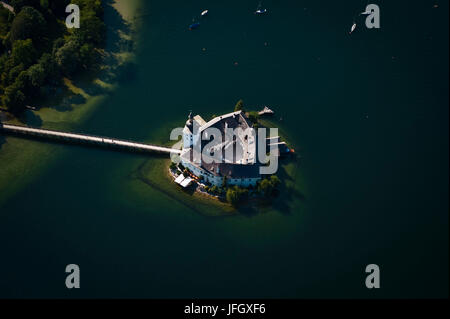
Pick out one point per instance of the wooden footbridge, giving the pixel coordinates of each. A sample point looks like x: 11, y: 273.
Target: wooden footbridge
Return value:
x: 86, y: 139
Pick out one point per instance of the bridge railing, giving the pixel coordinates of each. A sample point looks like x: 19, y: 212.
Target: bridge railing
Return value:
x: 96, y: 139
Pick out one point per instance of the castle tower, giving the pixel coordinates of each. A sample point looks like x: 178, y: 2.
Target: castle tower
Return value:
x: 188, y: 138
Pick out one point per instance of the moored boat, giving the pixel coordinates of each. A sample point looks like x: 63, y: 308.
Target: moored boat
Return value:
x: 194, y: 26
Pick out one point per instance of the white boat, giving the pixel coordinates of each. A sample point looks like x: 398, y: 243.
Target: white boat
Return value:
x: 353, y: 28
x: 205, y: 12
x: 259, y: 9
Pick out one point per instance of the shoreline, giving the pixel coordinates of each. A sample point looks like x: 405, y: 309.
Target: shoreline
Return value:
x: 32, y: 158
x: 148, y: 171
x: 155, y: 173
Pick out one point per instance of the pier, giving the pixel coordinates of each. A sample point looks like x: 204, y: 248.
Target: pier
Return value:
x: 266, y: 110
x: 86, y: 139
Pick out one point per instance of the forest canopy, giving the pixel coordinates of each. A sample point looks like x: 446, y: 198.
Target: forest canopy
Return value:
x: 37, y: 49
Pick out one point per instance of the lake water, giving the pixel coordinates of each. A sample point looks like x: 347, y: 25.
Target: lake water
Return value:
x: 368, y: 113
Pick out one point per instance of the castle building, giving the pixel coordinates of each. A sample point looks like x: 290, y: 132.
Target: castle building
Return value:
x: 229, y: 158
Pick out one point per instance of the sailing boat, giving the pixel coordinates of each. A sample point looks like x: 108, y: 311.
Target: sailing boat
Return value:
x: 259, y: 10
x: 353, y: 28
x: 365, y: 13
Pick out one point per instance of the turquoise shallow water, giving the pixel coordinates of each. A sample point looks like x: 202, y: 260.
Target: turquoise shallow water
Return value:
x: 368, y: 114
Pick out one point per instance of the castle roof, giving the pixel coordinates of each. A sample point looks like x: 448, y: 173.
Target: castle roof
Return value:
x: 242, y: 147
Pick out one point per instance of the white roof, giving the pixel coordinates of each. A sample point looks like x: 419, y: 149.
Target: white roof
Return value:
x: 186, y: 182
x: 218, y: 119
x: 183, y: 181
x: 179, y: 179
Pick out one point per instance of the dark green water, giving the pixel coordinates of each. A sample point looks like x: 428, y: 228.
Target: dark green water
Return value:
x: 367, y: 112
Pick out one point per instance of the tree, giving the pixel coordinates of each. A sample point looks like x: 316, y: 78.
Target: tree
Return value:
x: 14, y: 73
x: 28, y: 24
x: 44, y: 4
x: 22, y: 81
x: 50, y: 68
x: 88, y: 55
x: 232, y: 197
x: 36, y: 73
x: 14, y: 99
x: 58, y: 44
x: 265, y: 187
x: 239, y: 106
x: 24, y: 37
x: 215, y: 190
x: 93, y: 6
x: 236, y: 195
x: 92, y: 29
x: 58, y: 7
x: 275, y: 181
x: 19, y: 4
x: 67, y: 57
x: 3, y: 62
x: 23, y: 52
x: 5, y: 21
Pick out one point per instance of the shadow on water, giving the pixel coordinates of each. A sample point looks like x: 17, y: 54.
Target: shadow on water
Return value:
x: 281, y: 198
x: 120, y: 40
x: 127, y: 73
x: 112, y: 68
x: 109, y: 67
x: 116, y: 28
x: 288, y: 192
x: 61, y: 99
x: 2, y: 140
x: 138, y: 174
x: 3, y: 118
x: 32, y: 119
x: 66, y: 103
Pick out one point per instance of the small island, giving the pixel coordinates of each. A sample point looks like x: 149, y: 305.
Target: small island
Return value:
x: 236, y: 178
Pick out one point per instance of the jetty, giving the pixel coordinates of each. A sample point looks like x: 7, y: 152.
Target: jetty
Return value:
x: 266, y: 110
x: 86, y: 139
